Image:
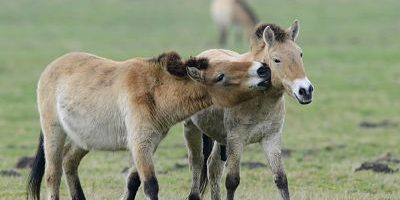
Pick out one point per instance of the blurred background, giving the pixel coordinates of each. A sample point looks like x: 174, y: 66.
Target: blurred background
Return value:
x: 351, y: 54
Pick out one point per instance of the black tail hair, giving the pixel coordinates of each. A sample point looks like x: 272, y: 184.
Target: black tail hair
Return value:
x: 37, y: 172
x: 207, y: 148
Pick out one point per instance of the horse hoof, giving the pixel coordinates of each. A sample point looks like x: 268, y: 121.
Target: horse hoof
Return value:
x: 194, y: 197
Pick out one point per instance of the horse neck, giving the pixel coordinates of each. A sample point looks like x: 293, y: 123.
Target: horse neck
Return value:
x: 179, y: 99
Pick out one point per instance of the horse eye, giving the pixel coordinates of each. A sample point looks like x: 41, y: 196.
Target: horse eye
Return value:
x: 276, y: 60
x: 301, y: 54
x: 220, y: 78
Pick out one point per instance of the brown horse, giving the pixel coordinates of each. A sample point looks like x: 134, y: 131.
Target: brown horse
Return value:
x: 229, y: 13
x: 259, y: 120
x: 90, y: 103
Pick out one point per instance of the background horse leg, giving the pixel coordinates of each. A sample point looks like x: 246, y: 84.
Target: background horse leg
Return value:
x: 272, y: 150
x: 223, y: 34
x: 215, y: 170
x: 73, y: 155
x: 193, y: 139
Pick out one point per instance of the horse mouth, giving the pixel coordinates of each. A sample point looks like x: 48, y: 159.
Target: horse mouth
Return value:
x: 303, y: 101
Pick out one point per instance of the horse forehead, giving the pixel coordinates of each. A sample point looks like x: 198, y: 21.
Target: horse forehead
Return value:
x: 288, y: 47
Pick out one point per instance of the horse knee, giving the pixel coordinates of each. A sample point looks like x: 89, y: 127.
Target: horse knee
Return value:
x: 151, y: 188
x: 232, y: 182
x: 52, y: 174
x: 280, y: 180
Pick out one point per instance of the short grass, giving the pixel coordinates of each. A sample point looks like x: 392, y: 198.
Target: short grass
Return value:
x: 351, y: 53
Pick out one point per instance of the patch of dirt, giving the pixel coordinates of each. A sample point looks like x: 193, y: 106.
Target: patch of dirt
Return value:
x: 10, y: 173
x: 381, y: 164
x: 180, y: 165
x: 286, y: 152
x: 334, y: 147
x: 316, y: 151
x: 125, y: 170
x: 388, y: 158
x: 24, y: 162
x: 381, y: 124
x: 376, y: 167
x: 253, y: 165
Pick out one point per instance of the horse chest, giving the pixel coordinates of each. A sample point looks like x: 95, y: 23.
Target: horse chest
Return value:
x: 255, y: 122
x: 259, y: 131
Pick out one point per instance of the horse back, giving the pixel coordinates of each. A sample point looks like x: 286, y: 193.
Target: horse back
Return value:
x: 220, y: 55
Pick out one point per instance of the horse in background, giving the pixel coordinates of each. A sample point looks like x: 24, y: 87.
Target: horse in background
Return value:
x: 232, y: 13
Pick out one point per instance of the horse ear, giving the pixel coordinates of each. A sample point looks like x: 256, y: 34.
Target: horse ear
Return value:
x: 293, y: 30
x: 268, y: 36
x: 194, y: 73
x: 194, y: 67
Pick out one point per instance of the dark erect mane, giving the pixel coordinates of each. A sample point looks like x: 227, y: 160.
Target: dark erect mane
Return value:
x: 280, y: 34
x: 199, y: 63
x: 174, y: 64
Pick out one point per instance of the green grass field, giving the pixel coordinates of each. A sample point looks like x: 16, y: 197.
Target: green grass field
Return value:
x: 351, y: 53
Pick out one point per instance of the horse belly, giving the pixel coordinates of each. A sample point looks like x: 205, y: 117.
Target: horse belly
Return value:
x: 94, y: 130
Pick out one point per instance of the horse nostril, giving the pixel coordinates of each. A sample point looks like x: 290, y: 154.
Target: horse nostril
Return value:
x: 310, y: 89
x: 262, y: 71
x: 302, y: 91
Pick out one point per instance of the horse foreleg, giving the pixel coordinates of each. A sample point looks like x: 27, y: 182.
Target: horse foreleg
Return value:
x: 272, y: 150
x: 235, y: 150
x: 132, y: 184
x: 72, y: 157
x: 143, y: 144
x: 194, y: 146
x: 215, y: 170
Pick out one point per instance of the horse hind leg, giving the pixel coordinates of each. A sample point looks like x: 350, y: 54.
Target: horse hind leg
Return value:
x: 73, y: 155
x: 54, y: 138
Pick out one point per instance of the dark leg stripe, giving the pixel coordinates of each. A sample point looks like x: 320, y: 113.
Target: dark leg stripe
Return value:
x: 223, y: 152
x: 79, y: 192
x: 231, y: 183
x: 151, y: 188
x: 281, y: 181
x: 194, y: 196
x: 133, y: 185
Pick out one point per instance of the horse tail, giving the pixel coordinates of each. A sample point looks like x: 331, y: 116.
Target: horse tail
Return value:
x: 37, y: 171
x: 207, y: 148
